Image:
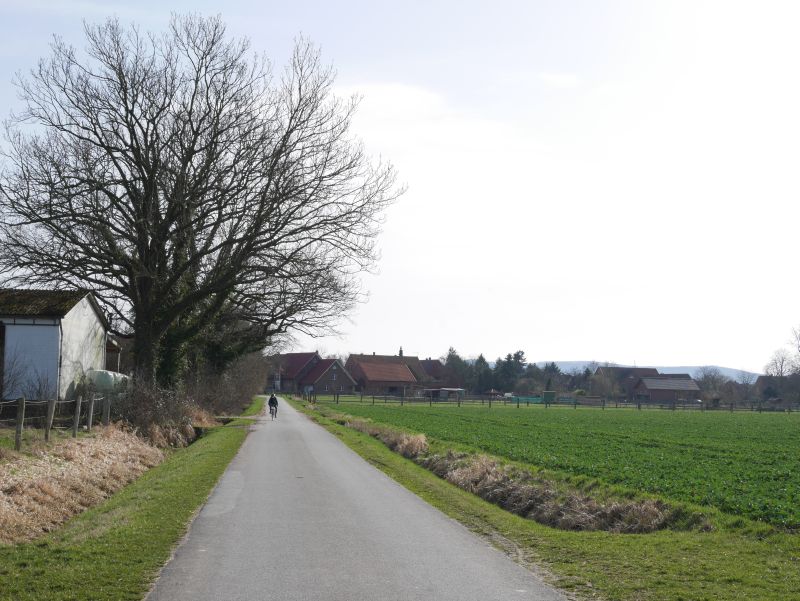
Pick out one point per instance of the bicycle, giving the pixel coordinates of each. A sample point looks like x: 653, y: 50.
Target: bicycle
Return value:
x: 273, y: 411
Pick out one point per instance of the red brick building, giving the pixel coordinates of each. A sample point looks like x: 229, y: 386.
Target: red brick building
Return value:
x: 328, y: 376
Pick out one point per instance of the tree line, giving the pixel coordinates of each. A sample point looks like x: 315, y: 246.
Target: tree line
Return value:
x: 511, y: 373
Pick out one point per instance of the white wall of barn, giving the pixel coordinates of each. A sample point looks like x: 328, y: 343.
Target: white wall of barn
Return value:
x: 83, y: 346
x: 30, y: 366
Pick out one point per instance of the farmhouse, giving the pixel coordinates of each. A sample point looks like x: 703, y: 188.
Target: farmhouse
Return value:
x: 666, y: 389
x: 388, y: 374
x: 289, y: 368
x: 327, y: 376
x: 308, y: 372
x: 435, y: 370
x: 49, y: 339
x: 623, y: 378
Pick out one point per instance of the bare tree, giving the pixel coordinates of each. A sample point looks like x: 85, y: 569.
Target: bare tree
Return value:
x: 780, y: 364
x: 745, y: 381
x: 710, y: 380
x: 177, y: 178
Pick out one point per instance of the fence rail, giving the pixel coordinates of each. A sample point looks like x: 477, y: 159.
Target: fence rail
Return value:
x: 82, y: 413
x: 563, y: 401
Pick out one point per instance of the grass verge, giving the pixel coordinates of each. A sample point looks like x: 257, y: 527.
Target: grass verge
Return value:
x: 664, y: 565
x: 115, y: 550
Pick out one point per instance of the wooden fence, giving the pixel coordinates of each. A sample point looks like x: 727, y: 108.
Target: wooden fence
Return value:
x: 562, y: 401
x: 43, y: 415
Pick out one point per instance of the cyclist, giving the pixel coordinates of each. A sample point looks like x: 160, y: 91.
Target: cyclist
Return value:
x: 273, y: 406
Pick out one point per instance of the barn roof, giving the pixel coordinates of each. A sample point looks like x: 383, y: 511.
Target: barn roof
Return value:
x: 413, y: 364
x: 384, y: 372
x: 621, y: 372
x: 38, y: 303
x: 19, y: 302
x: 685, y: 384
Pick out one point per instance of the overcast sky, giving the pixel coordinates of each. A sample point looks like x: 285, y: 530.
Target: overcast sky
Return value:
x: 615, y: 181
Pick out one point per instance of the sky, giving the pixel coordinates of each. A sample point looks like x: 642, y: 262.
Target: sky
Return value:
x: 611, y: 181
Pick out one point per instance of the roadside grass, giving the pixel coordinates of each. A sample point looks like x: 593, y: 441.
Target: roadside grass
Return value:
x: 754, y: 563
x: 115, y: 550
x: 255, y: 408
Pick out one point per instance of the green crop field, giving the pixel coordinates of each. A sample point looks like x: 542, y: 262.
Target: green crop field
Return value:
x: 745, y: 464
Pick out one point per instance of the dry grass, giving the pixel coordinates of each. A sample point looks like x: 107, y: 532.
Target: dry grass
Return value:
x: 410, y: 446
x: 544, y: 501
x: 202, y: 418
x: 39, y: 493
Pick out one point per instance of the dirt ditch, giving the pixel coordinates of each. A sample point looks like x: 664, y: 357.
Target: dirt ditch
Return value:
x: 549, y: 502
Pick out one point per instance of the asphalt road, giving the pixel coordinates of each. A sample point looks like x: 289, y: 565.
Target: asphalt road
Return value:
x: 299, y: 516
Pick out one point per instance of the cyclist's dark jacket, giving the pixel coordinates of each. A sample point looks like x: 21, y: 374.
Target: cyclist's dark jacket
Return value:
x: 273, y: 402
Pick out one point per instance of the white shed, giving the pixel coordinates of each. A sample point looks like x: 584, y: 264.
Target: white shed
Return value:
x: 49, y: 339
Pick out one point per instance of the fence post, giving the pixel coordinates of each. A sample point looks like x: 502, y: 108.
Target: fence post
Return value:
x: 603, y: 405
x: 20, y: 422
x: 401, y: 401
x: 430, y: 400
x: 107, y: 409
x: 48, y: 420
x: 373, y: 399
x: 517, y: 402
x: 490, y: 402
x: 76, y: 421
x: 90, y: 416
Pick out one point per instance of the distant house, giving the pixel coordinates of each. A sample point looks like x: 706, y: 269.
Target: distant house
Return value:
x: 289, y: 368
x: 625, y: 378
x: 434, y: 368
x: 49, y: 339
x: 327, y: 376
x: 396, y: 375
x: 666, y: 390
x: 778, y: 388
x: 308, y: 372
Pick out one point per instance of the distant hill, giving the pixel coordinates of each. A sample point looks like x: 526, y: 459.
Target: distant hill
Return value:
x: 733, y: 374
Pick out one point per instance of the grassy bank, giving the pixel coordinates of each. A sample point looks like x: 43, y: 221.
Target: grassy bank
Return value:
x: 753, y: 563
x: 115, y: 550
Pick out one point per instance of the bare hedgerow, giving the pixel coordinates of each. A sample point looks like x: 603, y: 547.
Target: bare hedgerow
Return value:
x: 162, y: 416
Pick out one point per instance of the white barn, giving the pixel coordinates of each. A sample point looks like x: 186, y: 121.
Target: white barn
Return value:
x: 49, y: 339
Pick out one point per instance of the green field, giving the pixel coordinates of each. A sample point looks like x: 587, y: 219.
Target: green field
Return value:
x: 744, y: 464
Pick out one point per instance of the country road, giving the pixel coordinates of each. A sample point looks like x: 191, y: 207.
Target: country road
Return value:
x: 299, y: 516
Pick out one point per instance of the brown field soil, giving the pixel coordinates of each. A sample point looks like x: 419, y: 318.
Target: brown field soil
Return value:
x: 39, y: 492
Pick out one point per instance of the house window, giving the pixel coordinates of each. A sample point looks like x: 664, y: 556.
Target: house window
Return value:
x: 326, y: 388
x: 334, y: 377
